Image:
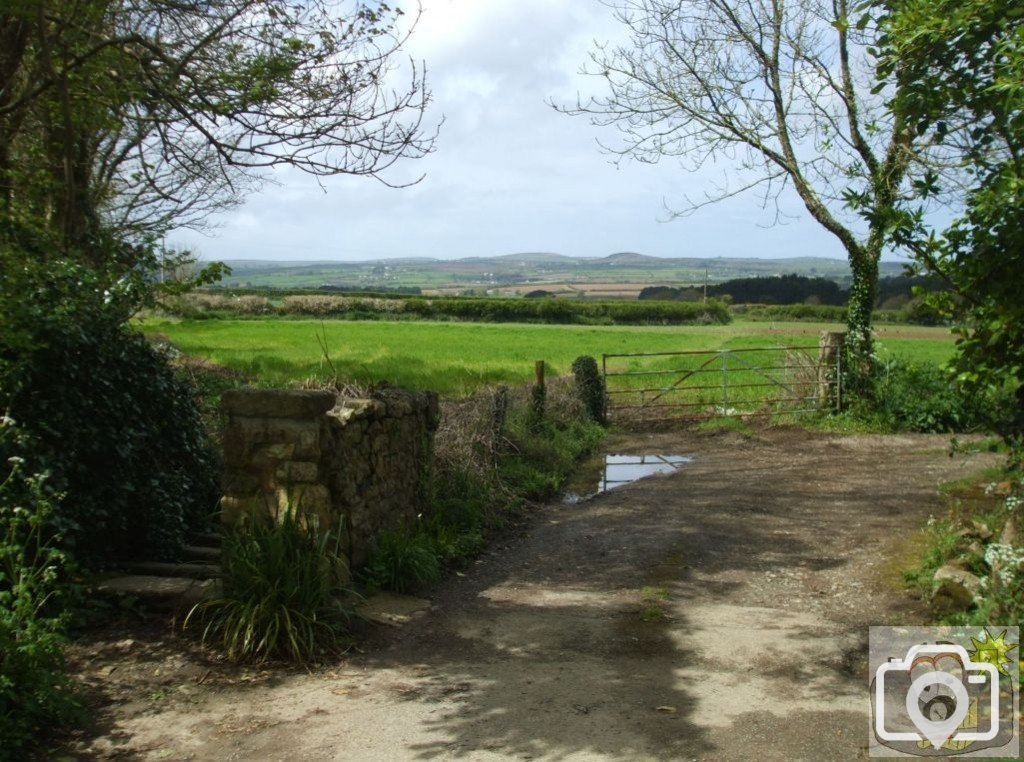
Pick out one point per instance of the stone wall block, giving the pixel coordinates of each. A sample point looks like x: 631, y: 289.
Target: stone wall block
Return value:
x: 238, y: 482
x: 357, y: 464
x: 274, y: 452
x: 296, y: 471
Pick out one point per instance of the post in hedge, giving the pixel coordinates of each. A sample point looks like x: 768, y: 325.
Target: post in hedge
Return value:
x: 830, y: 352
x: 590, y: 387
x: 539, y: 393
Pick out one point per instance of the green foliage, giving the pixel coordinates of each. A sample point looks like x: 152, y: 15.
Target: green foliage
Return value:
x: 959, y: 68
x: 543, y: 454
x: 958, y: 539
x: 904, y: 396
x: 785, y: 289
x: 110, y: 419
x: 282, y: 593
x: 590, y: 387
x: 36, y: 694
x: 490, y: 309
x: 462, y: 510
x: 940, y: 545
x: 403, y: 560
x: 914, y: 312
x: 94, y: 134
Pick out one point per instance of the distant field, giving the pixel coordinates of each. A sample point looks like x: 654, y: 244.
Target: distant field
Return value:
x: 530, y: 270
x: 562, y: 289
x: 456, y: 358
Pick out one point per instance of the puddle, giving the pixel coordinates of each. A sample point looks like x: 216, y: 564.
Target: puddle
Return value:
x: 612, y: 471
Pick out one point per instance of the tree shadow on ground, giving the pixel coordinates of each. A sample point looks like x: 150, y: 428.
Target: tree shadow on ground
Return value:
x: 570, y: 642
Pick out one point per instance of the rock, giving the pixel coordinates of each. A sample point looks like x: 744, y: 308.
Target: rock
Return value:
x: 1009, y: 534
x: 297, y: 471
x: 161, y: 592
x: 958, y: 563
x: 392, y: 608
x: 976, y: 529
x: 350, y: 409
x: 981, y: 531
x: 955, y: 590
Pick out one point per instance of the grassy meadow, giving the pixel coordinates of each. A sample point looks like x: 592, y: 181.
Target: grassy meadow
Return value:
x: 457, y: 358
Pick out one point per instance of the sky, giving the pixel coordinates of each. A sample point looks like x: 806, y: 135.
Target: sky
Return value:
x: 509, y: 174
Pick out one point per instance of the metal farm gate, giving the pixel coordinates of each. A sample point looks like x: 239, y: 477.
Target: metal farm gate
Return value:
x: 755, y: 381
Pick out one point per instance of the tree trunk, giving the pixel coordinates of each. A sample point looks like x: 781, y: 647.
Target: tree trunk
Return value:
x: 863, y: 292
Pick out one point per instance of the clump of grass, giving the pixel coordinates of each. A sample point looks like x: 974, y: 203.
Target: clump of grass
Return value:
x: 652, y: 613
x: 282, y: 593
x: 652, y: 604
x: 402, y: 561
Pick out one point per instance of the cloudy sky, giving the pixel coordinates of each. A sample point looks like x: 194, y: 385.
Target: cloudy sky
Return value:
x: 509, y: 174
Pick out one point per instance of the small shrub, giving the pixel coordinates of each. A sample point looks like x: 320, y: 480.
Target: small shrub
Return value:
x: 118, y: 429
x: 590, y: 387
x: 544, y: 453
x: 282, y: 593
x: 36, y: 694
x: 403, y: 560
x: 904, y: 396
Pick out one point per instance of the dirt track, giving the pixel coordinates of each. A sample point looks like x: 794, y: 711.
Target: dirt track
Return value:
x: 717, y: 613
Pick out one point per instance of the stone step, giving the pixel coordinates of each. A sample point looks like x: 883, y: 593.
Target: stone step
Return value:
x: 202, y: 553
x: 160, y: 592
x: 164, y: 569
x: 212, y: 539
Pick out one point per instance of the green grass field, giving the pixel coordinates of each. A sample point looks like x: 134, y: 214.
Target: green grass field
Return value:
x: 457, y: 358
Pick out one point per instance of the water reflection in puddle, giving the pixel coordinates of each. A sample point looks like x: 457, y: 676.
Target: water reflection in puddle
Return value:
x: 613, y: 471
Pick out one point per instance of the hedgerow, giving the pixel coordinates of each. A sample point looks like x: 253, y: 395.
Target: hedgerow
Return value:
x: 495, y: 310
x: 117, y: 428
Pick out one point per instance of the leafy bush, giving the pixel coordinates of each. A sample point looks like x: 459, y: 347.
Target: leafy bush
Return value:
x: 281, y: 594
x: 36, y: 694
x: 110, y: 419
x: 403, y: 560
x: 590, y: 387
x: 489, y: 309
x: 914, y: 312
x: 904, y: 396
x: 544, y: 454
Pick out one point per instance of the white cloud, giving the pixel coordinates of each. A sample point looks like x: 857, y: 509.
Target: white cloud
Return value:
x: 510, y: 173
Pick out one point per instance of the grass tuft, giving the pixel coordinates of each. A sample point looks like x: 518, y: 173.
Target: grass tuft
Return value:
x: 281, y: 594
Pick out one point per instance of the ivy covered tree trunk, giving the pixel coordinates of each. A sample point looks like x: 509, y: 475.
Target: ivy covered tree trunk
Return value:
x: 863, y: 292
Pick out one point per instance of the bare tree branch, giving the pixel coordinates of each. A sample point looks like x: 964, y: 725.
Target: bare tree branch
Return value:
x: 187, y: 103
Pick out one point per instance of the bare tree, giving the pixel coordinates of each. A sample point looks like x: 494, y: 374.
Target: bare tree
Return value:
x: 782, y: 89
x: 150, y: 114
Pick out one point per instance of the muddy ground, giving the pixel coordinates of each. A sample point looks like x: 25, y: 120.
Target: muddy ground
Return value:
x: 719, y: 612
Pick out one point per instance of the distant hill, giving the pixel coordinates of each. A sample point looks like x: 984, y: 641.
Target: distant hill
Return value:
x: 516, y: 273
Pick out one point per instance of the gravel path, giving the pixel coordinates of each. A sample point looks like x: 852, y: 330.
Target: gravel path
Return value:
x: 719, y: 612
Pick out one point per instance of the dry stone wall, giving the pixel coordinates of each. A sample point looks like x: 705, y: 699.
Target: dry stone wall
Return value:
x: 358, y: 466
